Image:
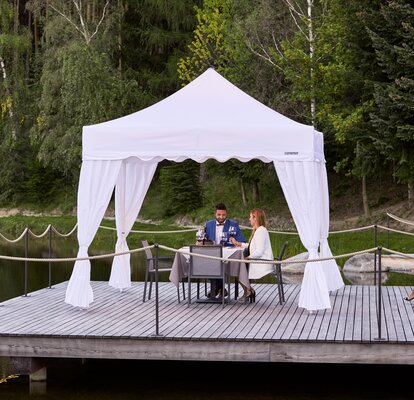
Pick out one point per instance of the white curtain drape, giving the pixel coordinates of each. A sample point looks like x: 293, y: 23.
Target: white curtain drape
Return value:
x: 301, y: 186
x: 96, y: 184
x: 131, y: 187
x: 330, y: 267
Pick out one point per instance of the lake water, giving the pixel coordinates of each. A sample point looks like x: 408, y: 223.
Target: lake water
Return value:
x: 167, y: 380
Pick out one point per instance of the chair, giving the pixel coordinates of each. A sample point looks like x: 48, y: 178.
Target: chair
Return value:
x: 202, y: 268
x: 277, y: 272
x: 150, y: 271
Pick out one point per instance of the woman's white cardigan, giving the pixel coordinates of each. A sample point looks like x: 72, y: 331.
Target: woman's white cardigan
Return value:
x: 260, y: 248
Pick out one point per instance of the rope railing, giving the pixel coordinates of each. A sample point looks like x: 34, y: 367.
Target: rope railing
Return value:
x: 399, y: 219
x: 192, y: 229
x: 171, y: 249
x: 395, y: 230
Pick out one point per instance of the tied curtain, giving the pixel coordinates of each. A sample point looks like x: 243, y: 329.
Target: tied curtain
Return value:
x: 131, y: 187
x: 96, y: 184
x: 302, y: 184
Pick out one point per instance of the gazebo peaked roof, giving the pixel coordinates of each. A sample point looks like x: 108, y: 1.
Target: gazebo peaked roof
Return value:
x: 208, y: 118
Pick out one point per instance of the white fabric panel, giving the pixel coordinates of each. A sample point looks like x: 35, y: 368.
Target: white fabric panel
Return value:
x: 190, y: 123
x: 300, y: 182
x: 132, y: 185
x: 330, y: 267
x: 96, y: 183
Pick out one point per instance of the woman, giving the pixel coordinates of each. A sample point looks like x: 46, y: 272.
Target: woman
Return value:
x: 259, y: 248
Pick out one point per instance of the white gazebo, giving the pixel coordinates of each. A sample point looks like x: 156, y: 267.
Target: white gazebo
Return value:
x: 208, y: 118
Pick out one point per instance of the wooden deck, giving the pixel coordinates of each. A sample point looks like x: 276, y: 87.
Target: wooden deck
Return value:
x: 119, y: 325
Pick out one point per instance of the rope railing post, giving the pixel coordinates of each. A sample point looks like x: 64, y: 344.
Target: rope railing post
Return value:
x: 157, y: 325
x: 50, y: 256
x: 379, y: 295
x: 375, y: 253
x: 26, y: 255
x: 388, y: 230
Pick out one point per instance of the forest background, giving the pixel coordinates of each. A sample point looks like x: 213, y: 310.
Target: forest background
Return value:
x: 347, y: 67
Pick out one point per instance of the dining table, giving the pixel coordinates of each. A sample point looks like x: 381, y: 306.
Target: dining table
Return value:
x: 181, y: 265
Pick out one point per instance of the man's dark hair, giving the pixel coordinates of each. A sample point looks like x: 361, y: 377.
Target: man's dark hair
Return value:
x: 221, y: 206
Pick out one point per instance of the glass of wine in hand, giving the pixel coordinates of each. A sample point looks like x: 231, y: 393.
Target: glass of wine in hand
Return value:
x: 232, y: 232
x: 224, y: 238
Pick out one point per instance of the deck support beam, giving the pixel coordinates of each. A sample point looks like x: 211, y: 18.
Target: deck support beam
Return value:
x: 203, y: 350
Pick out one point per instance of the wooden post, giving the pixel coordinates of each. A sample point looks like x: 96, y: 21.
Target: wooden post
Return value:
x: 26, y: 255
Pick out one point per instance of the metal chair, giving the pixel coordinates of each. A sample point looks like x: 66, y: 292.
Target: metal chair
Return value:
x: 202, y: 268
x: 150, y: 271
x: 277, y: 272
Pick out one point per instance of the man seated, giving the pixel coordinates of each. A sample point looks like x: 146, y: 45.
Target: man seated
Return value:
x: 219, y: 230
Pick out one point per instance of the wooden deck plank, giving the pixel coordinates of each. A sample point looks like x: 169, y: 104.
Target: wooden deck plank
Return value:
x: 277, y: 328
x: 351, y: 314
x: 342, y: 321
x: 405, y: 310
x: 336, y: 314
x: 390, y: 317
x: 358, y: 312
x: 366, y: 316
x: 266, y: 297
x: 272, y: 314
x: 294, y: 328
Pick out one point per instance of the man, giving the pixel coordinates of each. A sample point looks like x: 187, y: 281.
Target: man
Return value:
x: 214, y: 231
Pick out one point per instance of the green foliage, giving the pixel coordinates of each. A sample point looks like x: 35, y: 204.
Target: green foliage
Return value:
x: 393, y: 40
x: 180, y: 187
x: 79, y: 88
x: 215, y: 43
x: 155, y: 35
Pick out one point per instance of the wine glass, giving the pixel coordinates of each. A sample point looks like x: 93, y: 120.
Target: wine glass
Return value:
x: 200, y: 235
x: 224, y: 238
x: 232, y: 233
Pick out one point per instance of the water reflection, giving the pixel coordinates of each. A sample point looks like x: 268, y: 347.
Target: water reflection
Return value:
x: 365, y: 278
x: 150, y: 380
x: 12, y: 273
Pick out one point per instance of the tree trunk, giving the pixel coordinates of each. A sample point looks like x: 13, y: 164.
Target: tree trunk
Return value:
x: 243, y: 192
x: 311, y: 54
x: 7, y: 90
x: 255, y: 188
x: 410, y: 186
x: 365, y: 197
x: 202, y: 174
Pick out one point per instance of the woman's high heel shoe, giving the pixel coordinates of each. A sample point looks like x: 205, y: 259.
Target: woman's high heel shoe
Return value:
x: 252, y: 296
x: 249, y: 296
x: 409, y: 298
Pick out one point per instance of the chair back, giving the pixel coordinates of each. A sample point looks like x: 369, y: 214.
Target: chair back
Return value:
x: 204, y: 267
x: 148, y: 255
x: 282, y: 251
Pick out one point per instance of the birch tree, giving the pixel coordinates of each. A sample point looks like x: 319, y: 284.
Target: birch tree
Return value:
x: 289, y: 44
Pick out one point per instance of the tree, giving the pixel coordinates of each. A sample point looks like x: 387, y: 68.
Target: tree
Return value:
x: 344, y: 90
x: 80, y: 84
x: 180, y: 187
x: 393, y: 40
x: 215, y: 43
x: 155, y: 35
x: 14, y: 102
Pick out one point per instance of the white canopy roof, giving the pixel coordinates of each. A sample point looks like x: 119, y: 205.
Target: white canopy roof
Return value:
x: 208, y: 118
